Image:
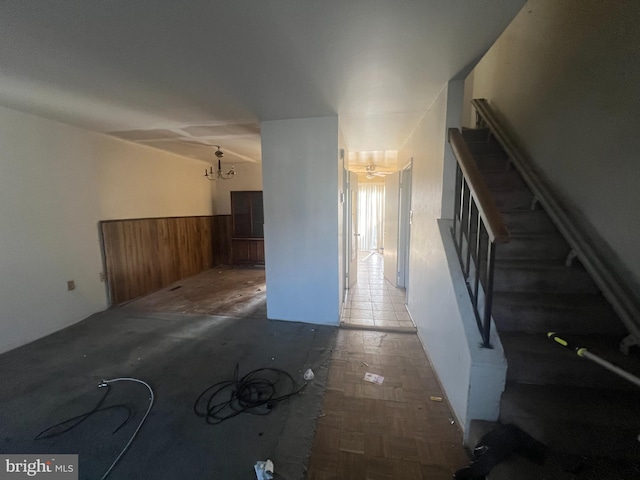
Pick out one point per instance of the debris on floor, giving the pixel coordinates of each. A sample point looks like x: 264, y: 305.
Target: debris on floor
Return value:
x: 373, y: 378
x: 264, y: 470
x: 308, y: 375
x: 434, y: 398
x: 257, y: 393
x: 497, y: 445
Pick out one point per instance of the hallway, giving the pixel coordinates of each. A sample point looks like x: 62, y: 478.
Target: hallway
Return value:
x: 374, y: 303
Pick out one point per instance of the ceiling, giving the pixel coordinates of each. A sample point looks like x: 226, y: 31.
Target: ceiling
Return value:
x: 182, y: 76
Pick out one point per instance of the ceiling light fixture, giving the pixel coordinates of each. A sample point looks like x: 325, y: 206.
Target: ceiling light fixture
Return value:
x: 370, y: 172
x: 212, y: 174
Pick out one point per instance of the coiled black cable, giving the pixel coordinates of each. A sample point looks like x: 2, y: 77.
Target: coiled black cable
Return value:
x: 256, y: 393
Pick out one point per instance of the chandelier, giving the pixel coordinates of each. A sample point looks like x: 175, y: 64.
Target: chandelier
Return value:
x: 212, y: 174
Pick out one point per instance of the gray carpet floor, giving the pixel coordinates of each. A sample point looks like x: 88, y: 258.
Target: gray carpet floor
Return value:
x: 179, y: 355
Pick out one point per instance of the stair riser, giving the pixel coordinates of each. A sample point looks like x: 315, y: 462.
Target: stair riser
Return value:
x: 577, y: 438
x: 529, y: 248
x: 503, y: 180
x: 485, y: 148
x: 532, y: 221
x: 476, y: 134
x: 540, y: 369
x: 513, y: 199
x: 493, y: 163
x: 567, y: 280
x: 511, y: 318
x: 549, y: 248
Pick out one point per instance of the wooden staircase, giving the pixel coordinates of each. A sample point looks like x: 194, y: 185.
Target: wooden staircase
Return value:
x: 568, y: 403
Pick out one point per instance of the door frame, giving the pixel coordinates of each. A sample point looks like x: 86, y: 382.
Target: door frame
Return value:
x: 405, y: 215
x: 351, y: 237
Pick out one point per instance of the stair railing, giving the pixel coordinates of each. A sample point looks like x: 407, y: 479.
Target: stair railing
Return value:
x: 623, y: 301
x: 477, y: 228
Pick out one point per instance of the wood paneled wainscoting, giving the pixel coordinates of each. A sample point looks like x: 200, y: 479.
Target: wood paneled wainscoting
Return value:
x: 222, y: 228
x: 145, y: 255
x: 247, y: 251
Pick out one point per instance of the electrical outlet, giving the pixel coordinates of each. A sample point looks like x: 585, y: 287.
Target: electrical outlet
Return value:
x: 71, y: 285
x: 103, y: 277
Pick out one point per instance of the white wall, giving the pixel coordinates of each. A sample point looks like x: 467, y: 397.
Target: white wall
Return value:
x: 248, y: 177
x: 564, y: 75
x: 135, y: 181
x: 438, y: 302
x: 455, y: 96
x: 300, y: 184
x: 56, y: 183
x: 391, y: 204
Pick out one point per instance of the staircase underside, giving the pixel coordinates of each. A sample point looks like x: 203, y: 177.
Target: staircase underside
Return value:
x: 571, y: 405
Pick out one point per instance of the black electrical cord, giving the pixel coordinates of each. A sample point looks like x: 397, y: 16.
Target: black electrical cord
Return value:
x: 256, y: 393
x: 98, y: 408
x: 77, y: 420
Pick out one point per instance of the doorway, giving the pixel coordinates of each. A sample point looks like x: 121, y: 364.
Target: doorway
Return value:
x: 351, y: 237
x: 371, y: 198
x: 373, y: 303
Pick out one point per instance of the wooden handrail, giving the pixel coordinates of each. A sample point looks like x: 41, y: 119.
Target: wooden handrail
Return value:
x: 623, y: 301
x: 487, y: 208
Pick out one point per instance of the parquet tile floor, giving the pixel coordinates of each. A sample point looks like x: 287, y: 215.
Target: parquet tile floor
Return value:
x: 398, y: 430
x: 390, y: 431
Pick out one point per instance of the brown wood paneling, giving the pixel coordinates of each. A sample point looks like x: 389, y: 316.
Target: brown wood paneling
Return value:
x: 145, y: 255
x: 222, y: 225
x: 247, y: 251
x: 247, y: 214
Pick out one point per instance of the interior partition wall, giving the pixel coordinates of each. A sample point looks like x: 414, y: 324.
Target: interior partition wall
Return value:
x: 301, y: 218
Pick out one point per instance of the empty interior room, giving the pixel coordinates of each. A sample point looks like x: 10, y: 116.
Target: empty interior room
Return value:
x: 319, y: 240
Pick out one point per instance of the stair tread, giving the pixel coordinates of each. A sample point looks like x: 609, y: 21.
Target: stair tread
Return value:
x: 535, y: 265
x: 519, y: 189
x: 544, y: 246
x: 541, y: 275
x: 502, y: 178
x: 531, y: 235
x: 568, y: 302
x: 528, y: 221
x: 577, y: 420
x: 535, y: 235
x: 534, y: 358
x: 605, y: 346
x: 599, y: 340
x: 556, y: 465
x: 559, y: 300
x: 559, y: 466
x: 570, y: 313
x: 606, y: 407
